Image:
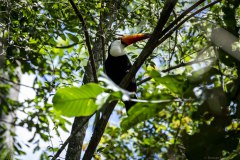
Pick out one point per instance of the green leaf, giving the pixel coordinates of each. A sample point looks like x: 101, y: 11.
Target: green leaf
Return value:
x: 141, y: 112
x: 174, y: 83
x: 73, y: 101
x: 32, y: 41
x: 73, y: 37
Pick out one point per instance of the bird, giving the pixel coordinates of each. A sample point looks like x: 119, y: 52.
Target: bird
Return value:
x: 117, y: 64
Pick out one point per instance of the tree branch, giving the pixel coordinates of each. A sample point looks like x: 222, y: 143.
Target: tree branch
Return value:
x: 70, y: 137
x: 64, y: 47
x: 100, y: 126
x: 186, y: 64
x: 75, y: 144
x: 169, y: 33
x: 102, y: 36
x: 175, y: 67
x: 152, y: 43
x: 87, y: 37
x: 99, y: 130
x: 171, y: 25
x: 19, y: 84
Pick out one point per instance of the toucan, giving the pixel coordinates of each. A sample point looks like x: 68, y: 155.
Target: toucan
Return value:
x: 118, y: 64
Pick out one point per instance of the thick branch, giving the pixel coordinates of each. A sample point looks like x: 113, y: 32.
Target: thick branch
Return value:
x: 99, y: 130
x: 176, y: 27
x: 178, y: 19
x: 151, y: 44
x: 100, y: 126
x: 146, y: 52
x: 169, y: 33
x: 70, y: 137
x: 87, y: 37
x: 75, y: 143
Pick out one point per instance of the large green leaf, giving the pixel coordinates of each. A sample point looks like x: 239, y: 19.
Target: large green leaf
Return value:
x: 73, y: 37
x: 141, y: 112
x: 73, y: 101
x: 175, y: 83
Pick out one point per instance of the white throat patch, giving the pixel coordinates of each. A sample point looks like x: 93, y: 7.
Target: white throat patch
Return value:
x: 117, y: 48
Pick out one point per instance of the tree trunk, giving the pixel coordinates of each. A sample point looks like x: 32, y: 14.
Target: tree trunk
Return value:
x: 75, y: 144
x: 6, y: 120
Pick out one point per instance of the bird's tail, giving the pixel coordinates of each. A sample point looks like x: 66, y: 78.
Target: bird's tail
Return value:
x: 129, y: 104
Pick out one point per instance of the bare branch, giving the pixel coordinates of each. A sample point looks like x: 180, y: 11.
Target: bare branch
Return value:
x: 98, y: 131
x: 169, y: 32
x: 70, y: 137
x: 19, y: 84
x: 102, y: 36
x: 87, y: 37
x: 175, y: 67
x: 186, y: 64
x: 177, y: 26
x: 178, y: 19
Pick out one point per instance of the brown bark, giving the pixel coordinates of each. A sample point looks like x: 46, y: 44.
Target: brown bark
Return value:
x: 75, y: 144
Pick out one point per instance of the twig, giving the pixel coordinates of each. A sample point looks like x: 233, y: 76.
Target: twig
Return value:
x: 200, y: 52
x: 87, y: 37
x: 11, y: 123
x: 169, y: 33
x: 173, y: 49
x: 64, y: 47
x: 102, y: 37
x: 175, y: 67
x: 175, y: 44
x: 187, y: 64
x: 71, y: 136
x: 181, y: 17
x: 179, y: 127
x: 19, y: 84
x: 161, y: 101
x: 144, y: 80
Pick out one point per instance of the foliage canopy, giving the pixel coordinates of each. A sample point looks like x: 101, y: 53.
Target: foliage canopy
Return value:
x: 187, y: 109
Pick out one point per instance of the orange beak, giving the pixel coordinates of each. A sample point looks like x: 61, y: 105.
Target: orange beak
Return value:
x: 130, y: 39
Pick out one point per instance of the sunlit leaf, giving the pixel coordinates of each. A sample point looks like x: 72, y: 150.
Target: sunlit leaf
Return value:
x: 173, y: 82
x: 73, y: 37
x: 73, y: 101
x: 141, y: 112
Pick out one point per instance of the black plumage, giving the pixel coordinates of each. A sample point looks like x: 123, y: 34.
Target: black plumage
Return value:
x: 116, y: 68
